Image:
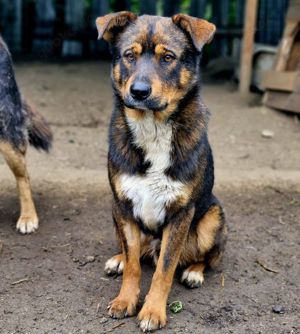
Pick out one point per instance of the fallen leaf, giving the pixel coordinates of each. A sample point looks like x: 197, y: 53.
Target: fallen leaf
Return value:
x: 176, y: 306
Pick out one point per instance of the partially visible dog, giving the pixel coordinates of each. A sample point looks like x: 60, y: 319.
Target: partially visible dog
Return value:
x: 160, y: 162
x: 20, y: 124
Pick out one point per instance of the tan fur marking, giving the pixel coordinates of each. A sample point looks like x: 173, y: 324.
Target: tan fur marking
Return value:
x: 154, y: 308
x: 193, y: 276
x: 137, y: 48
x: 201, y: 31
x: 156, y: 87
x: 185, y: 77
x: 185, y: 198
x: 125, y: 303
x: 106, y: 23
x: 160, y: 49
x: 28, y: 221
x: 190, y: 252
x: 117, y: 73
x: 207, y: 229
x: 199, y: 267
x: 117, y: 186
x: 134, y: 114
x: 125, y: 88
x: 119, y: 257
x: 153, y: 314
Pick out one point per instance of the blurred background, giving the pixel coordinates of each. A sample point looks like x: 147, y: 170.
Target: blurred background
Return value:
x: 66, y: 28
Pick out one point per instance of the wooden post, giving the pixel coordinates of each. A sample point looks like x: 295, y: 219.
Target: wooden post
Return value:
x: 247, y: 46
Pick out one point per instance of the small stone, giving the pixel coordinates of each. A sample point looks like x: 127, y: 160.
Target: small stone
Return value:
x: 232, y: 139
x: 279, y: 309
x: 267, y: 134
x: 90, y: 258
x: 103, y: 320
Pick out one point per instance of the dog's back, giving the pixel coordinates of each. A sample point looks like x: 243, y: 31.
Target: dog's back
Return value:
x: 12, y: 116
x: 19, y: 121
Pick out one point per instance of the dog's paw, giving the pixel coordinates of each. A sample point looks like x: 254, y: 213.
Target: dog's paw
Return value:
x: 120, y: 308
x: 115, y: 265
x: 192, y: 279
x: 152, y: 317
x: 26, y: 225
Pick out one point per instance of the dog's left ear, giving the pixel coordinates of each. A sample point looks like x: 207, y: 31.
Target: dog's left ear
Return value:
x: 109, y: 24
x: 201, y: 31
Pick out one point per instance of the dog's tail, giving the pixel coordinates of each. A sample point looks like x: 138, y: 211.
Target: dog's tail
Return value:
x: 39, y: 133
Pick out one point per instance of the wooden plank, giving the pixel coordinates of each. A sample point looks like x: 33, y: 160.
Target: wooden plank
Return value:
x: 297, y: 83
x: 294, y: 60
x: 284, y: 81
x: 283, y: 101
x: 290, y: 31
x: 247, y: 47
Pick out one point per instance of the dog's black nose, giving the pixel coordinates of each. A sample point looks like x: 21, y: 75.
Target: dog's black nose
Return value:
x: 140, y: 90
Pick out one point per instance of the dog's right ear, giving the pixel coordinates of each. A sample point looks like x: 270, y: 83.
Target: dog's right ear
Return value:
x: 109, y: 24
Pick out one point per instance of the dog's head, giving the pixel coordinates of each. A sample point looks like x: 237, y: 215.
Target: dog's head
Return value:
x: 155, y: 59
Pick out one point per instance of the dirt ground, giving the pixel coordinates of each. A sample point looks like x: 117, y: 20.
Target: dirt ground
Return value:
x: 53, y: 281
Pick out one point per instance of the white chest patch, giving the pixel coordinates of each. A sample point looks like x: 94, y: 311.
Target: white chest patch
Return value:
x: 152, y: 192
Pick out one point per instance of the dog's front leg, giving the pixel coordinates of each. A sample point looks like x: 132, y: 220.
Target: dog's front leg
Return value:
x: 153, y: 314
x: 125, y: 303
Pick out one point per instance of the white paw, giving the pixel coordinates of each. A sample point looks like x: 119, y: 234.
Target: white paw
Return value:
x: 192, y: 279
x: 27, y: 225
x: 148, y: 325
x: 114, y: 266
x: 151, y: 320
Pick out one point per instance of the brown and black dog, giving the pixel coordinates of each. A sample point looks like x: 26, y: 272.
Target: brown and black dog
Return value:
x: 20, y: 124
x: 160, y: 162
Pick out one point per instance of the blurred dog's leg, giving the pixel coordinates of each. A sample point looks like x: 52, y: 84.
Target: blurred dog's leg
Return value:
x: 28, y: 221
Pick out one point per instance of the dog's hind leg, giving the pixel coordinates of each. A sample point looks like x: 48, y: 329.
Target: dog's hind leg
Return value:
x: 115, y: 265
x: 15, y: 158
x: 208, y: 244
x: 193, y: 276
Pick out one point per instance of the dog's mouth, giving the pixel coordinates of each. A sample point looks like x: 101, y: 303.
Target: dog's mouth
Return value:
x: 146, y: 105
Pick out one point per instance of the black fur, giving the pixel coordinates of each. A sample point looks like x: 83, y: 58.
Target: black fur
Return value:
x: 19, y: 123
x: 12, y: 115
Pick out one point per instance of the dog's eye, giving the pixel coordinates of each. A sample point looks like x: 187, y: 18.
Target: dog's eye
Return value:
x: 168, y: 58
x: 129, y: 55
